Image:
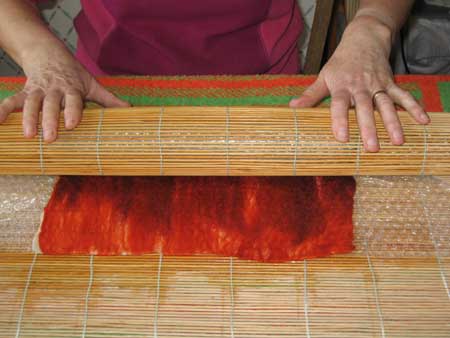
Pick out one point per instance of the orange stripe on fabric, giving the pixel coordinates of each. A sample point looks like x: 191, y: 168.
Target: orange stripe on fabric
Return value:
x: 414, y: 78
x: 207, y: 83
x: 7, y: 79
x: 431, y: 95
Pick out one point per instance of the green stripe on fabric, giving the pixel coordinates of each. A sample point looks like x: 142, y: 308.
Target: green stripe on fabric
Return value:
x: 194, y: 101
x: 5, y: 93
x: 444, y: 90
x: 417, y: 94
x: 206, y: 101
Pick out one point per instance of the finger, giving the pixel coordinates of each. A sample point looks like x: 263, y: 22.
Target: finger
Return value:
x: 407, y: 101
x: 340, y: 103
x: 11, y: 104
x: 366, y: 120
x: 312, y: 95
x: 50, y: 115
x: 31, y: 108
x: 390, y: 118
x: 73, y: 109
x: 100, y: 95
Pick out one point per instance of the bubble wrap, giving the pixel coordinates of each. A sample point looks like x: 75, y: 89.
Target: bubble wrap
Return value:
x: 402, y: 216
x: 22, y: 202
x: 393, y: 216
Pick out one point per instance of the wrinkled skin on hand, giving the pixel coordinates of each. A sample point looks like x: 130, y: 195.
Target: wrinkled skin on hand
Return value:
x: 358, y: 69
x: 55, y: 81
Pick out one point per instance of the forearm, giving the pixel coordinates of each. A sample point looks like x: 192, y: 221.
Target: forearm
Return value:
x: 392, y: 14
x: 22, y: 32
x: 377, y: 22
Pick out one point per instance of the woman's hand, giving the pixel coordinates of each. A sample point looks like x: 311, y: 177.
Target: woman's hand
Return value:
x: 55, y: 81
x: 359, y: 74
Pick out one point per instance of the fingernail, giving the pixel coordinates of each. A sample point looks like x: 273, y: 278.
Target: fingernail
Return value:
x: 397, y: 137
x: 70, y: 124
x: 424, y: 117
x: 372, y: 144
x: 49, y: 135
x: 28, y: 132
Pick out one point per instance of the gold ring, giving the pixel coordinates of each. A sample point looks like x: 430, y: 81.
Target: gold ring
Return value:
x: 378, y: 92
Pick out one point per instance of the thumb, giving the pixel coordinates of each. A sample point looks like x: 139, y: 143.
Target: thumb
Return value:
x: 99, y: 94
x: 312, y: 95
x: 11, y: 104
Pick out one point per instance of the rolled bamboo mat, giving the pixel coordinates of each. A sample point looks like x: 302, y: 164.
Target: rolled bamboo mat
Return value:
x: 156, y: 296
x: 222, y: 141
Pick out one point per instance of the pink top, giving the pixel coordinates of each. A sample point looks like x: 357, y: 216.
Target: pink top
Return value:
x: 189, y: 37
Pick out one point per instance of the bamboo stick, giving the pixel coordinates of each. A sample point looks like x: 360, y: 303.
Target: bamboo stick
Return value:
x: 222, y: 141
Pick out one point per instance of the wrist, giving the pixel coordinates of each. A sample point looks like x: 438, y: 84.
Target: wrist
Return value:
x: 383, y: 26
x: 366, y: 28
x: 42, y: 51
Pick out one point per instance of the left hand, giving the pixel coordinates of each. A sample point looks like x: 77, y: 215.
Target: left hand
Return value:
x: 358, y: 69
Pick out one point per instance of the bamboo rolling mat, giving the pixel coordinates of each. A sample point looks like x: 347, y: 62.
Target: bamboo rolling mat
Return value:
x: 155, y: 296
x: 222, y: 141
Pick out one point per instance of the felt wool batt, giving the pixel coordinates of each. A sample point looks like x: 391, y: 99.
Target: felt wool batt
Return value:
x: 258, y: 218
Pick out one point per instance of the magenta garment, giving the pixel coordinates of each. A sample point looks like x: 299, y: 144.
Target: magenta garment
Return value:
x: 189, y: 37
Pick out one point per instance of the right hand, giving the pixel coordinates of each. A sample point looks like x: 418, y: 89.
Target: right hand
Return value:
x: 359, y: 68
x: 55, y: 81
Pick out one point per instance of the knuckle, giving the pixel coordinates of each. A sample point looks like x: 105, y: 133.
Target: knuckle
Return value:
x: 368, y: 79
x: 390, y: 85
x: 30, y: 119
x: 53, y: 93
x: 339, y: 96
x: 392, y: 125
x: 32, y: 89
x: 368, y: 130
x: 340, y: 118
x: 357, y: 78
x: 384, y: 100
x: 339, y: 109
x: 417, y: 110
x: 72, y: 91
x: 405, y: 95
x: 34, y: 95
x: 73, y: 110
x: 50, y: 123
x: 364, y: 109
x: 351, y: 80
x: 52, y: 103
x: 389, y: 114
x: 340, y: 122
x: 30, y: 99
x: 361, y: 92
